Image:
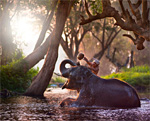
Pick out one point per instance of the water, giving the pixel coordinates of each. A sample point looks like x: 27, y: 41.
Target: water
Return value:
x: 24, y: 108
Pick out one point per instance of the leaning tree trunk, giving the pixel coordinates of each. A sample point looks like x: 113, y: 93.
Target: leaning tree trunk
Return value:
x: 40, y: 83
x: 39, y: 50
x: 37, y: 55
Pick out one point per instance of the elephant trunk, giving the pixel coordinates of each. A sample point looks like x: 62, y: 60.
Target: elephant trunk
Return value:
x: 65, y: 71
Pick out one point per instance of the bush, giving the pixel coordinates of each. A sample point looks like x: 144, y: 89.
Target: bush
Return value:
x: 13, y: 78
x: 57, y: 79
x: 139, y: 69
x: 138, y: 76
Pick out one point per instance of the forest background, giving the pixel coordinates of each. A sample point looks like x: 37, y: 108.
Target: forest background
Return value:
x: 34, y: 23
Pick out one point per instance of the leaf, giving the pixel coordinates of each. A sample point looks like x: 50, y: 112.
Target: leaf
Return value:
x: 96, y: 6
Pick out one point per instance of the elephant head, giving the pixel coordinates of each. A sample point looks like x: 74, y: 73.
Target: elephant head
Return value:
x: 76, y: 75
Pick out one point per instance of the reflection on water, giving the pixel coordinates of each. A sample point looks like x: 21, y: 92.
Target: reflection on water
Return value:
x: 28, y: 108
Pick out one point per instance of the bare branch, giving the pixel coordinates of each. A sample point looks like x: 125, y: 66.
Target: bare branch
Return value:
x: 45, y: 26
x: 108, y: 39
x: 138, y: 41
x: 122, y: 8
x: 113, y: 37
x: 131, y: 7
x: 136, y: 5
x: 130, y: 37
x: 96, y: 37
x: 105, y: 43
x: 84, y: 32
x: 136, y: 13
x: 77, y: 31
x: 127, y: 22
x: 87, y: 10
x: 138, y: 17
x: 103, y: 35
x: 15, y: 10
x: 144, y: 12
x: 129, y: 18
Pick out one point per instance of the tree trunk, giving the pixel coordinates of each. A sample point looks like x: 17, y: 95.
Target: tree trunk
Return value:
x: 6, y: 38
x: 131, y: 59
x: 40, y: 83
x: 37, y: 55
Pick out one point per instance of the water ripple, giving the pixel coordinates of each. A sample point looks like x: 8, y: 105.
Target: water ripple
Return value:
x: 27, y: 108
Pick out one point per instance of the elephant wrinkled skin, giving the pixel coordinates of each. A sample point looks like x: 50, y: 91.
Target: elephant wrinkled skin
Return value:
x: 96, y: 91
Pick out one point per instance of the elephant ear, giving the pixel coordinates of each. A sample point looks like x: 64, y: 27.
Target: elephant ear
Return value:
x: 65, y: 71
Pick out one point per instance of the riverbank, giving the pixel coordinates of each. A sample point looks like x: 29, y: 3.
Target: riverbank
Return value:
x: 145, y: 95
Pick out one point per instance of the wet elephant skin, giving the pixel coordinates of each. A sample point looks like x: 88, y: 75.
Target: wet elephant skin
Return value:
x: 96, y: 91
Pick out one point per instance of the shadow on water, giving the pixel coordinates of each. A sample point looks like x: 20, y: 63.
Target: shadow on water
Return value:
x: 28, y: 108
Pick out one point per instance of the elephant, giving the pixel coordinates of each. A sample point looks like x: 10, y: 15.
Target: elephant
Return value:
x: 96, y: 91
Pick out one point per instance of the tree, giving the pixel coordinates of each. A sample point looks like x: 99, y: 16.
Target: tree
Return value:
x: 129, y: 61
x: 41, y: 49
x: 74, y: 33
x: 108, y: 35
x: 50, y: 46
x: 46, y: 25
x: 6, y: 38
x: 41, y: 81
x: 134, y: 21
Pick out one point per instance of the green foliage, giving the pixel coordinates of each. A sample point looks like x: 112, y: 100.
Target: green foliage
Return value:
x: 139, y: 69
x: 13, y: 78
x: 97, y: 26
x: 138, y: 76
x: 58, y: 80
x: 96, y: 6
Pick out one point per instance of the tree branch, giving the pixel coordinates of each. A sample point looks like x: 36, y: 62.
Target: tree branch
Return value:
x: 103, y: 35
x: 138, y: 41
x: 96, y: 37
x: 82, y: 36
x: 113, y: 37
x: 130, y: 37
x: 136, y: 5
x: 128, y: 23
x: 45, y: 26
x: 87, y: 10
x: 122, y: 8
x: 131, y: 7
x: 18, y: 3
x: 144, y: 12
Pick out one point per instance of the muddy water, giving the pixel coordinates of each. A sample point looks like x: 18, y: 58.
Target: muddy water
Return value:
x: 27, y: 109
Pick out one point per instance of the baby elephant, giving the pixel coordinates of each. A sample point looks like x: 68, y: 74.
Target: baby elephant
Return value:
x: 96, y: 91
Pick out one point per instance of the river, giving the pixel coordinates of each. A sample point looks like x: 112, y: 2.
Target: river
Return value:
x: 24, y: 108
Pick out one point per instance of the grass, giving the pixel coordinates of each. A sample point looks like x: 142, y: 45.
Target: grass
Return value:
x: 138, y: 76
